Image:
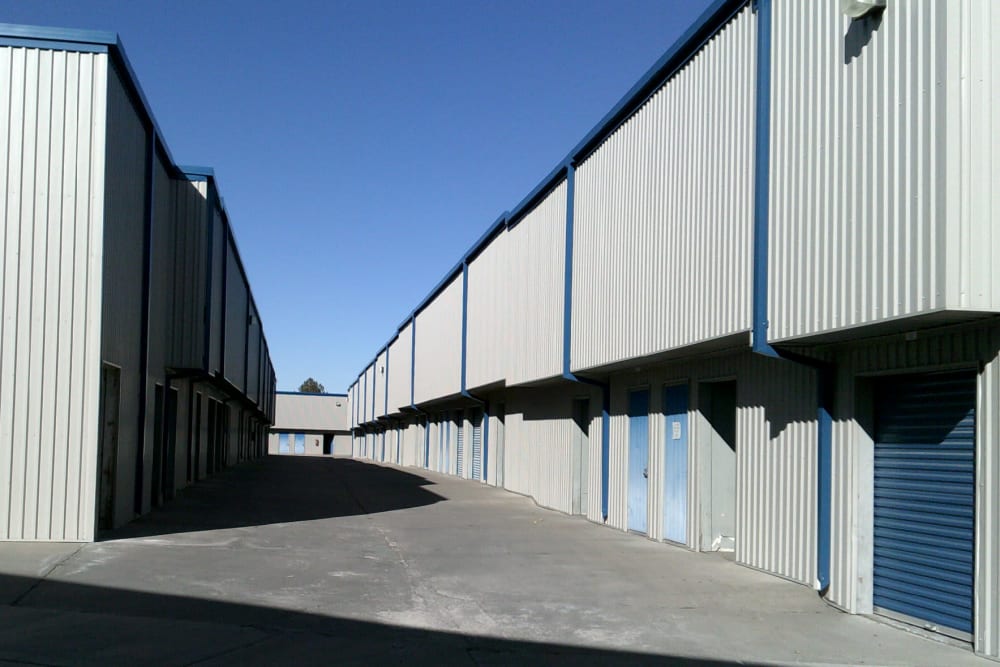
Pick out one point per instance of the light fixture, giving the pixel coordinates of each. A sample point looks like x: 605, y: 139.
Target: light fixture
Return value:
x: 858, y: 8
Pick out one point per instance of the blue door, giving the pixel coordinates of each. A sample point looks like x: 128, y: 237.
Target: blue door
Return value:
x: 283, y: 443
x: 675, y: 473
x: 925, y: 446
x: 638, y: 458
x: 300, y: 443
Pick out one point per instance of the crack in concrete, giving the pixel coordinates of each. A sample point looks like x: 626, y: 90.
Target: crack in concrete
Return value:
x: 20, y: 598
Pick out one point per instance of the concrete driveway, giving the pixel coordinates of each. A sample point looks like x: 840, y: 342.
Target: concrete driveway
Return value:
x: 333, y: 561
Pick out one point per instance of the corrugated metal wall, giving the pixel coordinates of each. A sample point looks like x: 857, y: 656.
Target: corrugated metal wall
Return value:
x: 253, y: 354
x: 122, y: 315
x: 400, y: 351
x: 860, y: 129
x: 237, y: 304
x: 367, y: 394
x: 219, y: 252
x: 987, y: 620
x: 489, y: 315
x: 663, y: 213
x: 381, y: 384
x: 52, y: 130
x: 535, y: 272
x: 188, y: 340
x: 439, y: 345
x: 311, y: 412
x: 775, y: 450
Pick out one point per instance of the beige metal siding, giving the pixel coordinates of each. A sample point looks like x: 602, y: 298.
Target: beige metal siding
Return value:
x: 191, y: 238
x: 124, y: 224
x: 381, y: 384
x: 367, y: 394
x: 438, y: 340
x: 311, y: 412
x: 972, y: 171
x: 663, y: 213
x: 52, y: 165
x: 489, y: 317
x: 237, y: 302
x: 536, y: 249
x: 399, y: 370
x: 865, y: 125
x: 219, y: 250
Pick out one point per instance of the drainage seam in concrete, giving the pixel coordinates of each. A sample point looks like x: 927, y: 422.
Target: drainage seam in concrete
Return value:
x: 42, y: 578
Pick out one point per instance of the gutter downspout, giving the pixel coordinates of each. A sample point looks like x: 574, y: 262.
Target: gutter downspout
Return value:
x: 465, y: 392
x: 825, y: 376
x: 567, y: 339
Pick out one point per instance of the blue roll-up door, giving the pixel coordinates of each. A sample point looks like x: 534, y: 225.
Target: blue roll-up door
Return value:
x: 477, y: 445
x: 925, y: 499
x: 459, y: 444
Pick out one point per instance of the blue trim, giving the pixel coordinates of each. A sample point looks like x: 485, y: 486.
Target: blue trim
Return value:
x: 67, y: 35
x: 759, y: 343
x: 53, y: 45
x: 567, y: 374
x: 308, y: 393
x: 192, y: 171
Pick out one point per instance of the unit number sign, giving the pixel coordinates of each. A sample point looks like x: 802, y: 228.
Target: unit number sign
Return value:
x: 675, y: 432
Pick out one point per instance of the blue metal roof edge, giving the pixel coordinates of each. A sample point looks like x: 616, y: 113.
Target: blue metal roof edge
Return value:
x: 47, y: 33
x: 308, y: 393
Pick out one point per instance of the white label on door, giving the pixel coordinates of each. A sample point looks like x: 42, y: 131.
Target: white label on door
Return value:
x: 676, y: 433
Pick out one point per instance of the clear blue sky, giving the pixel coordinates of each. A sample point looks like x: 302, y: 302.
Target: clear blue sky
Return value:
x: 363, y: 146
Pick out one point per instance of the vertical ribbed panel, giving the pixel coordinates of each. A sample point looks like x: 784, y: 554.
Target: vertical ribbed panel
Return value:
x: 237, y: 303
x: 218, y: 253
x: 663, y: 213
x: 489, y: 315
x: 367, y: 394
x: 775, y: 450
x: 311, y: 412
x: 538, y: 445
x: 972, y: 171
x: 439, y: 345
x: 122, y: 316
x: 381, y: 385
x: 400, y: 363
x: 253, y: 354
x: 987, y: 623
x: 52, y: 167
x: 188, y: 335
x: 535, y: 273
x: 859, y: 217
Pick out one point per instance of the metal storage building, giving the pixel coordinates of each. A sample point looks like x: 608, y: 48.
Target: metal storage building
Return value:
x: 133, y: 360
x: 753, y: 310
x: 310, y: 424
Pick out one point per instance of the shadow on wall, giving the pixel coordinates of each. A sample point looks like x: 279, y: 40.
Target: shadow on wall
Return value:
x: 283, y: 489
x: 53, y: 622
x: 859, y: 34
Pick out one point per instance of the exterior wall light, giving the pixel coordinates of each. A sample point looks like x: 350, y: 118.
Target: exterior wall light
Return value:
x: 858, y: 8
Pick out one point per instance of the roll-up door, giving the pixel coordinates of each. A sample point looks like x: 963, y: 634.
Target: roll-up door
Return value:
x: 477, y: 445
x: 460, y: 444
x: 925, y: 500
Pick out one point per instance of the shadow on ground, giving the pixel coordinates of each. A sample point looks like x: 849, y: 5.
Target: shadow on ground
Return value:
x: 282, y: 489
x: 54, y: 622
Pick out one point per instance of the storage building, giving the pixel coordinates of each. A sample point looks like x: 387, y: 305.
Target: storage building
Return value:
x: 753, y: 310
x: 133, y: 359
x: 309, y: 424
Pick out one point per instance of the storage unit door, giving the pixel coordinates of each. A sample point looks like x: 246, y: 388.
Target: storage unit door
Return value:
x: 460, y: 445
x: 675, y: 462
x: 477, y: 445
x: 638, y: 459
x: 925, y: 499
